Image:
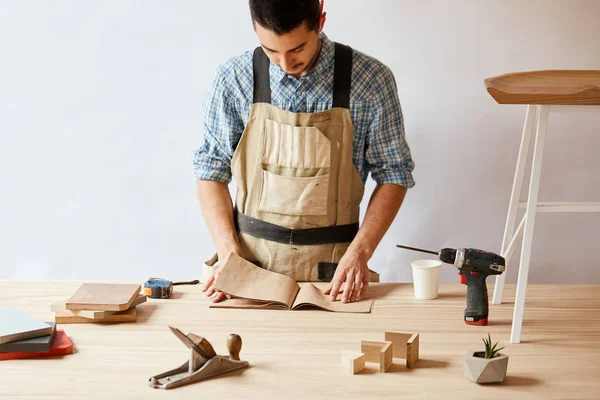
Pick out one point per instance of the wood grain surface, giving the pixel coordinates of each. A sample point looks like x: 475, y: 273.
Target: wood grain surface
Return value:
x: 296, y: 355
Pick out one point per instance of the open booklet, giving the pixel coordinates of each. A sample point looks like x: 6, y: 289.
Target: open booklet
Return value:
x: 254, y: 287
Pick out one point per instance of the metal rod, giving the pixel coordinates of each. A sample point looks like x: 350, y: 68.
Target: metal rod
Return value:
x: 194, y: 282
x: 416, y: 249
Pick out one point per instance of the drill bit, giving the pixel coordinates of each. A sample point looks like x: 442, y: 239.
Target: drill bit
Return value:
x: 421, y: 250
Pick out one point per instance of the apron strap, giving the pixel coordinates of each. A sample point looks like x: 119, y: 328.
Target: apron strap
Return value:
x: 326, y: 271
x: 260, y: 68
x: 341, y: 76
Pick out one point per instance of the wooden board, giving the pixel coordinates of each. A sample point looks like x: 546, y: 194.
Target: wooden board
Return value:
x: 103, y: 297
x: 60, y: 308
x: 38, y: 344
x: 559, y: 87
x: 61, y: 345
x: 16, y: 325
x: 129, y: 315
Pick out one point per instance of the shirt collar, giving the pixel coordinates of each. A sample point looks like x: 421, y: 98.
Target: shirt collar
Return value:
x: 322, y: 65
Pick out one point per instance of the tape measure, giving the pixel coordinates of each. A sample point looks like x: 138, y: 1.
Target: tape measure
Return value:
x: 157, y: 288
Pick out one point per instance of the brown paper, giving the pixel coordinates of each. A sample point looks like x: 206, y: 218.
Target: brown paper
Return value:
x: 254, y: 287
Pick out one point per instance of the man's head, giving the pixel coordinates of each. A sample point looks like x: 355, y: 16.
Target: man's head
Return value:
x: 288, y: 31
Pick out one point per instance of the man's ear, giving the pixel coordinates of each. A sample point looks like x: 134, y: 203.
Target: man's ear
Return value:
x: 322, y: 20
x: 322, y: 16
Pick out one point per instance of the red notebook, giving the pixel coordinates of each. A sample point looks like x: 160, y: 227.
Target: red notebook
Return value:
x: 60, y: 346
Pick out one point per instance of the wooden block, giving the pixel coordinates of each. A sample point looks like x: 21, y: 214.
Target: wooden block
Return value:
x: 61, y: 345
x: 387, y: 356
x: 412, y: 351
x: 371, y: 350
x: 353, y: 361
x: 129, y: 315
x: 379, y: 352
x: 399, y: 340
x: 406, y: 345
x: 60, y: 308
x: 103, y: 297
x: 16, y: 325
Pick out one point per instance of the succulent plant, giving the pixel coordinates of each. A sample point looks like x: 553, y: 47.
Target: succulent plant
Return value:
x: 490, y: 350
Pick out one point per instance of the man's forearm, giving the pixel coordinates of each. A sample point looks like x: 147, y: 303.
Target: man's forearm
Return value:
x: 383, y: 207
x: 217, y: 209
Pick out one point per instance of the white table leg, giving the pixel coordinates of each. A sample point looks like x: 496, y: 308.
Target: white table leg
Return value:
x: 532, y: 199
x: 513, y: 205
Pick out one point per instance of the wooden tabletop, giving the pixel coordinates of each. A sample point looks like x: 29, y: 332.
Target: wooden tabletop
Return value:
x: 559, y: 87
x: 296, y: 354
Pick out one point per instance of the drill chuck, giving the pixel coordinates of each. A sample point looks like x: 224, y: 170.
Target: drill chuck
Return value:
x: 449, y: 256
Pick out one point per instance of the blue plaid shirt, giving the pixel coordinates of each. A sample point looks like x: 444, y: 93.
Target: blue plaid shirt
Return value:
x: 379, y: 145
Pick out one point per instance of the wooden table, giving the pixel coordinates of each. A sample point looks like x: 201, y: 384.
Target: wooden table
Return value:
x: 296, y: 354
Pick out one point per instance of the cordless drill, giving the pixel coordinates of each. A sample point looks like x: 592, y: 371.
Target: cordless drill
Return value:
x: 474, y: 266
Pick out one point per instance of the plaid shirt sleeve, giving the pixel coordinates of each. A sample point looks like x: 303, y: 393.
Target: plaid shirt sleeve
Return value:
x: 222, y: 127
x: 387, y: 155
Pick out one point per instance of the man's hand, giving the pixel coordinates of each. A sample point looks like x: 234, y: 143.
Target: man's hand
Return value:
x: 353, y: 274
x: 217, y: 208
x: 352, y: 271
x: 211, y: 291
x: 209, y: 285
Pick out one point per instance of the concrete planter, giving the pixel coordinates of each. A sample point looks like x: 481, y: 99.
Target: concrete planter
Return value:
x: 483, y: 370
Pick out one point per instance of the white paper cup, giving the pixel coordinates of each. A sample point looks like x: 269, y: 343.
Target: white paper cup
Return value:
x: 426, y: 278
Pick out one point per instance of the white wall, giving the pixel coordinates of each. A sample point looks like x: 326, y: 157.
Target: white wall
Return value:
x: 99, y: 115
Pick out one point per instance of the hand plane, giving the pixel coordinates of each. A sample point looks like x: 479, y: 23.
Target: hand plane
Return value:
x: 203, y: 363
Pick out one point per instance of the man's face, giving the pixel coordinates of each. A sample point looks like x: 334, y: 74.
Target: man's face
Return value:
x: 294, y: 52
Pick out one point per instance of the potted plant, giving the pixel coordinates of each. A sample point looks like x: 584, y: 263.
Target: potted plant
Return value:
x: 487, y: 366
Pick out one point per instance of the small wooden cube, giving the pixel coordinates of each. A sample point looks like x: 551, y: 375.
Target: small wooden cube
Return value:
x: 353, y: 361
x: 406, y: 345
x: 379, y: 352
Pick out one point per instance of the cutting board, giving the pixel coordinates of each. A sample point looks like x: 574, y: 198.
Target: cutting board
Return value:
x: 61, y: 345
x: 17, y: 325
x: 103, y: 297
x: 61, y: 308
x: 39, y: 344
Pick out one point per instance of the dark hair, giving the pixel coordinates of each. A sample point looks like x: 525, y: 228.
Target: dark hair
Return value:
x: 283, y: 16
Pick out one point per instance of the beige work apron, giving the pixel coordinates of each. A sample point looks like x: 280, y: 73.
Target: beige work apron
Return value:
x: 295, y: 170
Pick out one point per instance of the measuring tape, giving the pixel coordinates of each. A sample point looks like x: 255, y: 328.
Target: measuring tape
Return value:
x: 157, y: 288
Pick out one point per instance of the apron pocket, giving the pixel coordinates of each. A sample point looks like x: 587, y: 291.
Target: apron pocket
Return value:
x: 295, y: 147
x: 294, y: 195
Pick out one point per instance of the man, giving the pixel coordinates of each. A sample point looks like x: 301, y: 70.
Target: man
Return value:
x: 299, y: 123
